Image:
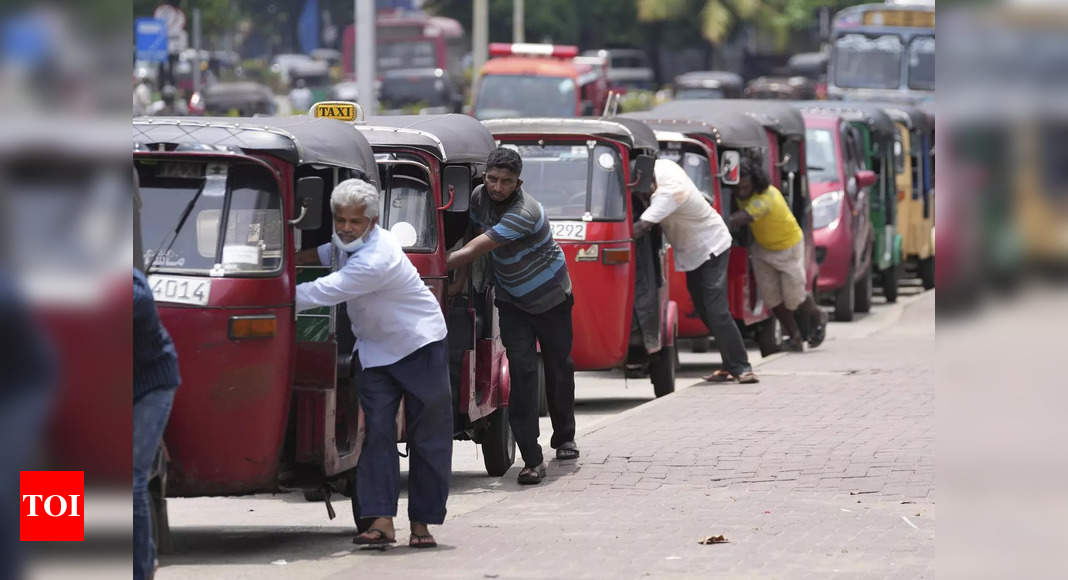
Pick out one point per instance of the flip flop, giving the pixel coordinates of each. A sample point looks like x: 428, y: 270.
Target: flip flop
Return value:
x: 720, y: 376
x: 748, y: 378
x: 380, y: 538
x: 422, y: 541
x: 567, y: 451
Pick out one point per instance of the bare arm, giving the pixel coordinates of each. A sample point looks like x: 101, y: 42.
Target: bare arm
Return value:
x: 642, y: 227
x: 739, y: 219
x: 477, y: 247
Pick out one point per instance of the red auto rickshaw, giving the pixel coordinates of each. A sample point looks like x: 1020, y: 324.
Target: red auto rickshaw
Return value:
x: 698, y: 146
x: 269, y: 398
x: 585, y: 172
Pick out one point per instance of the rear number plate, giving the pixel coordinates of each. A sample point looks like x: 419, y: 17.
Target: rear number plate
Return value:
x: 180, y: 289
x: 569, y: 230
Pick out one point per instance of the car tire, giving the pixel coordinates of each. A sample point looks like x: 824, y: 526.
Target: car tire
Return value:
x: 927, y: 272
x: 862, y: 292
x: 157, y: 489
x: 498, y: 443
x: 844, y: 299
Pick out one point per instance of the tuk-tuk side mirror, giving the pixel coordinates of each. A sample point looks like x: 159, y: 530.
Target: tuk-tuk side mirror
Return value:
x: 456, y: 183
x: 644, y: 174
x: 866, y: 178
x: 309, y: 203
x: 730, y: 167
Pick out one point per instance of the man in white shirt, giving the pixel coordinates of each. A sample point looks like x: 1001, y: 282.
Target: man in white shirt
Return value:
x: 400, y: 337
x: 702, y: 242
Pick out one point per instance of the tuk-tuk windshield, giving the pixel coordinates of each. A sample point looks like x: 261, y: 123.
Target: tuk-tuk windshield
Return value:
x: 863, y: 62
x: 822, y: 156
x: 505, y: 96
x: 243, y: 195
x: 408, y: 207
x: 570, y: 180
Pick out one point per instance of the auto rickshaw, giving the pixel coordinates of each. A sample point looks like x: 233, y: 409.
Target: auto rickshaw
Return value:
x: 784, y: 130
x: 585, y: 173
x: 710, y: 84
x: 269, y: 399
x: 699, y: 146
x: 429, y: 165
x: 234, y: 99
x: 878, y: 135
x: 781, y: 88
x: 913, y: 164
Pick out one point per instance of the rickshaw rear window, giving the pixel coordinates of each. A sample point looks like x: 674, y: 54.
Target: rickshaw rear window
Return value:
x: 699, y: 93
x: 245, y: 193
x: 559, y: 176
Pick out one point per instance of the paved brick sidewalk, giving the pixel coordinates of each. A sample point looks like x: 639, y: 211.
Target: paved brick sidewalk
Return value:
x: 824, y: 469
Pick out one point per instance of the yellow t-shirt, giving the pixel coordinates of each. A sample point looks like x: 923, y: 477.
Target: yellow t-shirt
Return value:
x: 774, y: 226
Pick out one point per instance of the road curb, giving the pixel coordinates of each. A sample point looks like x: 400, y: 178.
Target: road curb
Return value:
x: 884, y: 320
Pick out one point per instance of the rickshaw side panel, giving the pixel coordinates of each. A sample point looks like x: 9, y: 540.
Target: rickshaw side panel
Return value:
x: 604, y: 298
x: 233, y: 402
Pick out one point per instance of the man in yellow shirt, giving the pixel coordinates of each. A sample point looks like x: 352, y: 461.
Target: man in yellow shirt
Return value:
x: 778, y: 256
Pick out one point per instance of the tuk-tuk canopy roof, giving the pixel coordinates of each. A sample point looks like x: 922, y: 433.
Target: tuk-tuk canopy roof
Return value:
x: 735, y: 129
x: 727, y: 129
x: 631, y: 132
x: 297, y: 139
x: 709, y: 78
x: 871, y: 114
x: 779, y: 116
x: 452, y: 138
x: 913, y: 117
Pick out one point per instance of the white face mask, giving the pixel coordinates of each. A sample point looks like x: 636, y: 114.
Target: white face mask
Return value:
x: 354, y: 244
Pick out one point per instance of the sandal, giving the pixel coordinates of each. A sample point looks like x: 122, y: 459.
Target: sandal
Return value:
x: 531, y: 475
x: 720, y: 376
x: 820, y: 332
x: 373, y: 537
x: 748, y: 378
x: 567, y: 451
x: 422, y: 541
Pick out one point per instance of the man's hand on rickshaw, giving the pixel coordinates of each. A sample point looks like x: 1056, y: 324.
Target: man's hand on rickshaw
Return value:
x: 642, y: 227
x: 308, y: 257
x: 739, y: 219
x: 459, y: 282
x: 482, y: 244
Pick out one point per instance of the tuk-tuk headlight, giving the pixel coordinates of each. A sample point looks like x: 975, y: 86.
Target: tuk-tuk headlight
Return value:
x: 825, y: 210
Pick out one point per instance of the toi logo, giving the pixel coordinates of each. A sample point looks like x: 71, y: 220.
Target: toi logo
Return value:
x: 52, y: 506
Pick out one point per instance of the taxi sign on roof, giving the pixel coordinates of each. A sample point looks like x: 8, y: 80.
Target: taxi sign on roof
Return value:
x: 340, y: 110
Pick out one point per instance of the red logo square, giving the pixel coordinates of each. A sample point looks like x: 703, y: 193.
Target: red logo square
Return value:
x: 52, y: 506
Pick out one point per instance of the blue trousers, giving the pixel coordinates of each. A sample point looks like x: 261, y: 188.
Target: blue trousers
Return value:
x: 150, y: 414
x: 422, y: 378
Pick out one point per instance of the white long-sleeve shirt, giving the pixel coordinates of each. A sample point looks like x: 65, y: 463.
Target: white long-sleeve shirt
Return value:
x: 393, y: 312
x: 693, y: 228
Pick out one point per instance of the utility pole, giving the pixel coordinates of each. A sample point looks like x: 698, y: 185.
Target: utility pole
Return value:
x: 480, y: 36
x: 196, y: 50
x: 518, y: 34
x: 365, y: 54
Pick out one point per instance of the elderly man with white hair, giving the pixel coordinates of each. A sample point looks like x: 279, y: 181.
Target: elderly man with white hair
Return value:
x: 400, y: 338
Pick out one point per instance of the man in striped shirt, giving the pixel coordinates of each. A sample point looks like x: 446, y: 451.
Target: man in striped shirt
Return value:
x: 533, y: 297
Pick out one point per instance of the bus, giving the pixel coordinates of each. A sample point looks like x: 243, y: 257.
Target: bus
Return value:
x: 411, y: 41
x: 883, y: 52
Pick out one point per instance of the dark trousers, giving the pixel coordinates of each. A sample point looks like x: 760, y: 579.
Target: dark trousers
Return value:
x: 150, y: 414
x: 521, y: 332
x: 708, y: 290
x: 422, y: 378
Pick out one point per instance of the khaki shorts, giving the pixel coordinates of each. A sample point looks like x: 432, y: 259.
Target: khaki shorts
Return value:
x: 780, y: 275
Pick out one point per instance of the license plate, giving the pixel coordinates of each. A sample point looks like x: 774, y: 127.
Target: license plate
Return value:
x: 180, y: 289
x: 569, y: 230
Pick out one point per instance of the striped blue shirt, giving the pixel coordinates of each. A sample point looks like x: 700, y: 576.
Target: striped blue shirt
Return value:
x: 528, y: 268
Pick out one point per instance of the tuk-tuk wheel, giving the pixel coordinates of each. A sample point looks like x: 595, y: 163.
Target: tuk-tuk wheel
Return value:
x: 927, y: 272
x: 769, y: 336
x: 543, y: 399
x: 662, y: 367
x: 889, y: 279
x: 498, y: 443
x: 699, y: 345
x: 157, y: 491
